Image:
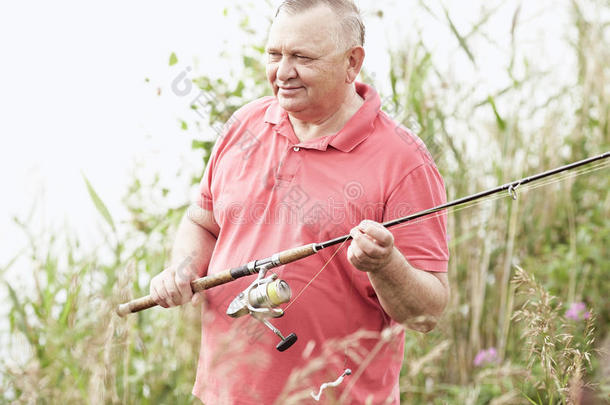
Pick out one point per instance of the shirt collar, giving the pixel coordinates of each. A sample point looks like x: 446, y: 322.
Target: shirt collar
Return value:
x: 356, y: 130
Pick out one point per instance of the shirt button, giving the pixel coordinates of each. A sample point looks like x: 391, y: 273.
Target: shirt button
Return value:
x: 296, y: 149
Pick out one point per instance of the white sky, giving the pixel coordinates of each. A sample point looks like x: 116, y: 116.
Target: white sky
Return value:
x: 73, y: 96
x: 74, y: 99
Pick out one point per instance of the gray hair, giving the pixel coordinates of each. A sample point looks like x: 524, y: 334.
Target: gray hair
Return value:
x: 352, y: 27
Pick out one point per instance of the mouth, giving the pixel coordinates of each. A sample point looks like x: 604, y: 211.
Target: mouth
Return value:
x: 288, y: 90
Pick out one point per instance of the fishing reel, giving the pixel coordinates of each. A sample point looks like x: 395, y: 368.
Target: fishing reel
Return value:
x: 261, y: 299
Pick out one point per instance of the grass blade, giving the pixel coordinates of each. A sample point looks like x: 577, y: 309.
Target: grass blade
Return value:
x: 459, y: 37
x: 99, y: 204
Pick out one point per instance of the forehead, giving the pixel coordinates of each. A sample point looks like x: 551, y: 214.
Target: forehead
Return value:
x: 314, y: 29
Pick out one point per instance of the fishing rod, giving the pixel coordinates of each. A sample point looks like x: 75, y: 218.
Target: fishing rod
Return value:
x: 265, y: 294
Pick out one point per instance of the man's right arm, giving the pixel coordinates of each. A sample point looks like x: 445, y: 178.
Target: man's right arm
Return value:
x: 190, y: 257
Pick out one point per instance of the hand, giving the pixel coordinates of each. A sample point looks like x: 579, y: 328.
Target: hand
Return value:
x: 172, y: 287
x: 372, y: 246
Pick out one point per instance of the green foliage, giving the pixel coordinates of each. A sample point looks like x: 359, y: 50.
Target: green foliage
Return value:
x: 99, y: 204
x: 78, y: 350
x: 173, y: 59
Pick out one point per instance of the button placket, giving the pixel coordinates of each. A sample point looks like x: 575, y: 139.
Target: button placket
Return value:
x: 290, y: 164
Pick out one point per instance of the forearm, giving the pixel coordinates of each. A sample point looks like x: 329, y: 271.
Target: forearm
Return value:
x: 193, y: 246
x: 408, y: 295
x: 190, y: 257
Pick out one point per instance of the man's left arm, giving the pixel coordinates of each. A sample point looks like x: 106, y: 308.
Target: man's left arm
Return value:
x: 408, y: 295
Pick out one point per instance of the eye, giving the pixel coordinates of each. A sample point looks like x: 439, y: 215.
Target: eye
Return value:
x: 302, y: 57
x: 274, y: 55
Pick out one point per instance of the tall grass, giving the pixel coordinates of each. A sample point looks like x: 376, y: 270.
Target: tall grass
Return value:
x: 516, y: 267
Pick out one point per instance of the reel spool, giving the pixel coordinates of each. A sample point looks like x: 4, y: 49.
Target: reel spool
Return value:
x: 260, y: 300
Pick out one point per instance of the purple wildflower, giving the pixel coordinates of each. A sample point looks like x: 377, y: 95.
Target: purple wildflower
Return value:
x: 486, y: 356
x: 578, y: 311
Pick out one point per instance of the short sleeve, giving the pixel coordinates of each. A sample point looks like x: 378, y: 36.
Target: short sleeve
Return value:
x: 422, y: 241
x: 205, y: 200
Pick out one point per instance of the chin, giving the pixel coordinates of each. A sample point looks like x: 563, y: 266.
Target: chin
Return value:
x: 290, y: 105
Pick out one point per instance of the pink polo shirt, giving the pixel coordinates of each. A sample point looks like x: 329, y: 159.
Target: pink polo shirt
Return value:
x: 269, y: 192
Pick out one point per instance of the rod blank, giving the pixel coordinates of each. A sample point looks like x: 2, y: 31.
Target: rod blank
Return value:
x: 297, y: 253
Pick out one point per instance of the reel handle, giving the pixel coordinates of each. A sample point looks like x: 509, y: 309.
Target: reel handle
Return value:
x: 286, y: 342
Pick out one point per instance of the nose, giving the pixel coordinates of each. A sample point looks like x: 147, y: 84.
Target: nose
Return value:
x: 286, y: 69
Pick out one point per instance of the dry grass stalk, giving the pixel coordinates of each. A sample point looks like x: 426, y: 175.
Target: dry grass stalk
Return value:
x: 416, y: 365
x: 302, y: 382
x: 551, y: 341
x: 509, y: 398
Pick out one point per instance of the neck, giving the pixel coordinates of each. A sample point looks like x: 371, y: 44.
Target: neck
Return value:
x: 330, y: 123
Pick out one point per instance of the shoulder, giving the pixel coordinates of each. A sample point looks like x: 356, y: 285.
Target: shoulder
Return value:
x: 400, y: 144
x: 245, y: 121
x: 253, y: 110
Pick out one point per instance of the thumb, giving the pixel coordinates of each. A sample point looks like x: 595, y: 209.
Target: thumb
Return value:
x: 197, y: 298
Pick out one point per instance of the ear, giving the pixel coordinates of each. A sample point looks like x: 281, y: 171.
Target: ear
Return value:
x: 355, y: 58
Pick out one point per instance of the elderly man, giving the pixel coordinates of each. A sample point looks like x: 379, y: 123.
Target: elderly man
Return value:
x: 317, y: 160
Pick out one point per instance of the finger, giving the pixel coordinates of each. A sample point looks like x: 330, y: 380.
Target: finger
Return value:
x: 170, y: 292
x: 183, y: 284
x: 156, y: 295
x: 373, y: 229
x: 358, y: 255
x: 358, y: 259
x: 197, y: 298
x: 351, y: 257
x: 355, y: 233
x: 368, y: 245
x: 378, y: 232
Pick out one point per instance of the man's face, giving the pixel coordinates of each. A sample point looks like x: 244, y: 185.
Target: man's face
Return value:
x: 305, y: 68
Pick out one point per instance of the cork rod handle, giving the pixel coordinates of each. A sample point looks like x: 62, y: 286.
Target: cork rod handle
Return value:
x: 200, y: 284
x: 297, y: 253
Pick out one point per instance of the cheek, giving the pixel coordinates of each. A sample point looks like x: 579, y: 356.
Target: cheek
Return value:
x: 271, y: 70
x: 309, y: 77
x: 324, y: 77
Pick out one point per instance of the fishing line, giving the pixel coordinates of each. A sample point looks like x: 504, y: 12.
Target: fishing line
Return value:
x: 281, y: 291
x: 316, y: 276
x: 525, y: 188
x: 452, y: 210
